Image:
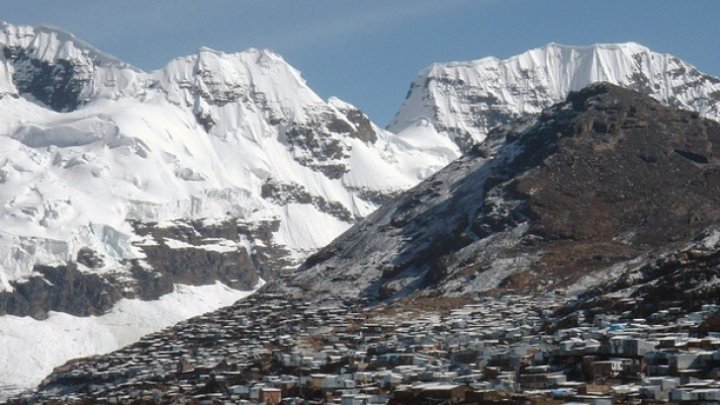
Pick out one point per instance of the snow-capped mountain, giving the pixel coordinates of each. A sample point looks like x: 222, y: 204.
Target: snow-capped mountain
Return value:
x: 119, y: 183
x: 464, y: 100
x: 90, y: 143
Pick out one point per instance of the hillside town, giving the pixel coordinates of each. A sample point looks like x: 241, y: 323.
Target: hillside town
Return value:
x: 271, y: 349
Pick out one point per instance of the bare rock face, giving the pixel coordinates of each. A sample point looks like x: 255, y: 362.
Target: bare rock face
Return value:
x: 61, y: 288
x: 57, y: 85
x: 89, y: 258
x: 186, y: 253
x: 608, y: 176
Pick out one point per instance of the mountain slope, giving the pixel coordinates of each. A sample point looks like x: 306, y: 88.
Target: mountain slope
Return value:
x: 596, y: 182
x: 686, y: 277
x: 463, y: 101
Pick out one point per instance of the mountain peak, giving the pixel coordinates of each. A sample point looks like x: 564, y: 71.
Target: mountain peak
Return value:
x: 57, y: 70
x: 630, y: 45
x: 465, y: 100
x: 261, y: 55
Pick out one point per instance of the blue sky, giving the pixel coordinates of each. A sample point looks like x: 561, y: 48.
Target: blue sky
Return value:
x: 367, y: 52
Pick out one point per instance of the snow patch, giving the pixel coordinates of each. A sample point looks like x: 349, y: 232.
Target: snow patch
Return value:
x: 39, y: 346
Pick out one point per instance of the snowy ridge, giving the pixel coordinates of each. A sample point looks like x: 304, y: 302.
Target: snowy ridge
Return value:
x: 49, y: 44
x: 464, y: 100
x: 27, y: 51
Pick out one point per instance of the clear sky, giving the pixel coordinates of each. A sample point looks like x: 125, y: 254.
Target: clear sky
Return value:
x: 367, y: 52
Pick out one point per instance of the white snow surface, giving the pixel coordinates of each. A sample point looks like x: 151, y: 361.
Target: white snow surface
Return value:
x: 464, y: 100
x: 39, y: 346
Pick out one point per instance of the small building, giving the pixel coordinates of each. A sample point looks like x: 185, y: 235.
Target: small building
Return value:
x: 270, y: 396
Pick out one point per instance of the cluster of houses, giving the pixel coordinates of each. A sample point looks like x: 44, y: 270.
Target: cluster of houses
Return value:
x: 270, y: 349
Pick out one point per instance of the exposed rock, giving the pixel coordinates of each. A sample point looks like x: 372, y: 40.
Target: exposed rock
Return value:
x: 185, y: 253
x: 316, y: 151
x: 89, y: 258
x: 64, y: 289
x: 375, y: 196
x: 319, y: 143
x: 284, y: 194
x: 57, y: 85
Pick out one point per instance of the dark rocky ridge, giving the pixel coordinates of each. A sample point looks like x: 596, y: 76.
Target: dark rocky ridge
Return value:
x: 605, y: 177
x: 73, y: 289
x: 318, y: 144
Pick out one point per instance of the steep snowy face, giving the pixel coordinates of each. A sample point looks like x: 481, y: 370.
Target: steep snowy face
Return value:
x: 94, y: 151
x: 464, y: 100
x: 255, y: 96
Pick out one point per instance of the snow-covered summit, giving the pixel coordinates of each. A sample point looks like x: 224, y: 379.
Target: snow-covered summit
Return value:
x: 251, y: 76
x: 49, y: 44
x: 90, y: 143
x: 464, y: 100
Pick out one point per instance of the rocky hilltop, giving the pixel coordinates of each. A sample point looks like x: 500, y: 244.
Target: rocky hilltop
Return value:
x: 596, y: 183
